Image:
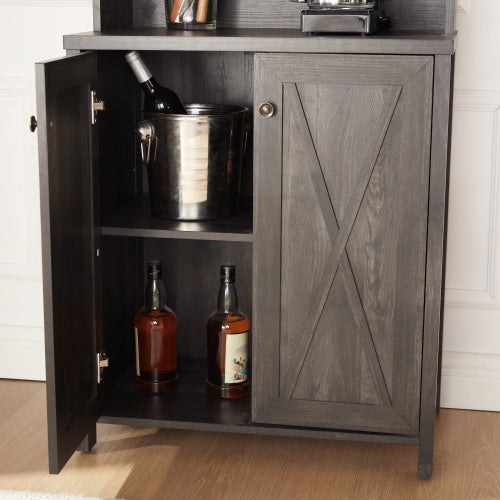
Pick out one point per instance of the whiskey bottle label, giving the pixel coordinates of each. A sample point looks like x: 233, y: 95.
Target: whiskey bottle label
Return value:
x: 236, y: 367
x: 137, y: 366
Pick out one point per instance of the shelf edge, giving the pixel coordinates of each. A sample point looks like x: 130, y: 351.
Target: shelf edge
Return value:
x: 261, y: 430
x: 177, y: 235
x: 262, y: 43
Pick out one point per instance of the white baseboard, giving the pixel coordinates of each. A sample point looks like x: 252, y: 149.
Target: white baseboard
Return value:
x: 470, y: 381
x: 22, y: 353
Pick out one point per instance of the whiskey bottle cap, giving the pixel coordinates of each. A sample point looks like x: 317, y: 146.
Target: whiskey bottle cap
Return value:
x: 227, y: 273
x: 154, y: 269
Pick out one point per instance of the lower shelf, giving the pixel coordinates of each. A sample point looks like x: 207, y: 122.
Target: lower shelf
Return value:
x: 190, y: 406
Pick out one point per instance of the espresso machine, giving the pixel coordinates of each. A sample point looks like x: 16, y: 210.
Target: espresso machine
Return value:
x: 342, y: 16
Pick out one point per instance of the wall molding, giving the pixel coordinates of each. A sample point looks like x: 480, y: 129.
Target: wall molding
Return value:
x: 462, y: 7
x: 484, y: 102
x: 20, y: 92
x: 22, y: 352
x: 470, y: 381
x: 45, y: 3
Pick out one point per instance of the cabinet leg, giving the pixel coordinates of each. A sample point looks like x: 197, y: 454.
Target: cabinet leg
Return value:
x: 425, y: 453
x: 88, y: 441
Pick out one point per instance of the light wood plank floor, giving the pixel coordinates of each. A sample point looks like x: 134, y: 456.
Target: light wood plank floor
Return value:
x: 138, y: 463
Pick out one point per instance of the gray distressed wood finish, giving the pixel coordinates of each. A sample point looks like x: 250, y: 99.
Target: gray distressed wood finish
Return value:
x: 63, y: 92
x: 190, y: 407
x: 450, y: 17
x: 260, y: 40
x: 435, y: 258
x: 404, y: 14
x: 375, y: 375
x: 349, y: 240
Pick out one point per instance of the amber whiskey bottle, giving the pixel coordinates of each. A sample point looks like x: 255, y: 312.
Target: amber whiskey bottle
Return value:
x: 155, y: 337
x: 228, y: 332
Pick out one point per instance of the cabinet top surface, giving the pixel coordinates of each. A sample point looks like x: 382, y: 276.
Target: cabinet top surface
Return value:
x: 261, y: 40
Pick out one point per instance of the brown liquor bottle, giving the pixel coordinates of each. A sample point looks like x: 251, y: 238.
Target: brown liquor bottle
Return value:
x: 155, y: 337
x: 228, y: 332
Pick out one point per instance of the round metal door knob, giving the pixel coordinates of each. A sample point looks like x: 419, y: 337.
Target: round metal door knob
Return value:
x: 266, y: 109
x: 32, y: 123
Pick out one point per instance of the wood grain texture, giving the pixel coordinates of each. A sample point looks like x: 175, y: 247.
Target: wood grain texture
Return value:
x: 267, y: 239
x: 63, y: 92
x: 320, y: 292
x: 303, y: 269
x: 390, y: 269
x: 140, y: 463
x: 450, y: 17
x: 349, y: 331
x: 13, y: 395
x: 344, y: 69
x: 190, y: 406
x: 434, y: 296
x: 415, y: 15
x: 260, y: 40
x: 419, y: 14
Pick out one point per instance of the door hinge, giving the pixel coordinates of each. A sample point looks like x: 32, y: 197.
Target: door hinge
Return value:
x: 102, y: 362
x: 97, y: 106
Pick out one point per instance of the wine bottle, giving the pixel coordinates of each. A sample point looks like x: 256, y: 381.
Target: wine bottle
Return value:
x: 228, y: 332
x: 155, y: 337
x: 157, y: 99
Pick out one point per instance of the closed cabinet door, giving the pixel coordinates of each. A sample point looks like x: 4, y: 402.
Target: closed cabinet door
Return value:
x: 342, y: 175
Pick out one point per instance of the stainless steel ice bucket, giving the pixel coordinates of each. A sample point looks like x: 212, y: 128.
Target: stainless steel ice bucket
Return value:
x: 194, y: 161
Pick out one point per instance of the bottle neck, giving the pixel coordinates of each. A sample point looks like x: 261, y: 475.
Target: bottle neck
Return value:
x: 228, y: 300
x: 155, y: 295
x: 150, y: 86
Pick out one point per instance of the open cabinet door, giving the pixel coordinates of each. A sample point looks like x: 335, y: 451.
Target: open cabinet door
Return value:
x: 65, y: 156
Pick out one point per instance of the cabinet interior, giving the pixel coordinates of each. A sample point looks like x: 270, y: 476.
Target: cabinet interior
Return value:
x: 197, y: 77
x: 191, y: 252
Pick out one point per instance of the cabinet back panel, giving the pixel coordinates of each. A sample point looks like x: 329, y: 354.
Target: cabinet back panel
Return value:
x: 191, y: 277
x: 120, y: 176
x: 122, y: 293
x: 110, y: 14
x: 405, y: 15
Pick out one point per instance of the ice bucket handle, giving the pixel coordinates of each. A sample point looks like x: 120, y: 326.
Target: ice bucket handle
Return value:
x: 145, y: 130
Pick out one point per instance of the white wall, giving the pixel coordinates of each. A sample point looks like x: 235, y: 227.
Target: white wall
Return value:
x: 471, y: 358
x: 31, y: 30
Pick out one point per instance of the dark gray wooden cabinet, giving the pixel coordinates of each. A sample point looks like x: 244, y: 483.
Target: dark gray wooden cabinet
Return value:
x: 344, y: 241
x: 339, y: 243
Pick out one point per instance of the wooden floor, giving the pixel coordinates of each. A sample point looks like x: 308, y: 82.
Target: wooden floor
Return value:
x: 140, y: 463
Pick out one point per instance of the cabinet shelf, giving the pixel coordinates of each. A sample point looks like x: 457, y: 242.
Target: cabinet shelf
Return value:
x: 261, y: 40
x: 134, y: 219
x: 190, y: 406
